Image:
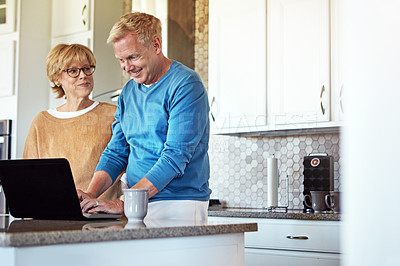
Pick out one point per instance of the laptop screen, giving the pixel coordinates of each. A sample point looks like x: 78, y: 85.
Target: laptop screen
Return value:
x: 40, y: 188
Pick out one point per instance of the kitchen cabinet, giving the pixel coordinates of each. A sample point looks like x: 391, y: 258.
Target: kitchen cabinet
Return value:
x: 237, y: 64
x: 338, y: 91
x: 89, y: 22
x: 7, y: 47
x: 70, y: 17
x: 24, y: 46
x: 7, y: 16
x: 291, y: 242
x: 7, y: 67
x: 270, y: 65
x: 299, y: 61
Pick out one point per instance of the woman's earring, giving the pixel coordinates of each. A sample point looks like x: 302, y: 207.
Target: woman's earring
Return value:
x: 58, y: 84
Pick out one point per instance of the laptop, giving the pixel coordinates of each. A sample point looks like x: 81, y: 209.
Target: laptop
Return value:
x: 43, y: 189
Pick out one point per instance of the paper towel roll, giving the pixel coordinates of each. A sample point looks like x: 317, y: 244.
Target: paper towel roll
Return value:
x: 272, y: 167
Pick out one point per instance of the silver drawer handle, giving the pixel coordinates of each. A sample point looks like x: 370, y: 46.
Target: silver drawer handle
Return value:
x: 321, y: 98
x: 211, y: 112
x: 341, y: 98
x: 298, y: 237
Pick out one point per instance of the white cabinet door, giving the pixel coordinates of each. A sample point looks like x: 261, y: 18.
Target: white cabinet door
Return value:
x: 237, y: 64
x: 338, y: 90
x: 7, y: 16
x: 7, y: 69
x: 299, y: 61
x: 70, y: 17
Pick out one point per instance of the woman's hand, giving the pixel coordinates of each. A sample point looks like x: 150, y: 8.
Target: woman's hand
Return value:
x: 91, y: 205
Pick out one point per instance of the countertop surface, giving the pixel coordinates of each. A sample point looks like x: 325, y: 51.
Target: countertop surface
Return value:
x: 21, y: 233
x: 276, y: 214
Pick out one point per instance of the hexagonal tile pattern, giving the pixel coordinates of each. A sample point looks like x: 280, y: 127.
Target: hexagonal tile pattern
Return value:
x: 239, y: 167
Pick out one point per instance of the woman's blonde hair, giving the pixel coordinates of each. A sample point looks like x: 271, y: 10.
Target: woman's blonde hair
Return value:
x: 60, y: 57
x: 143, y: 25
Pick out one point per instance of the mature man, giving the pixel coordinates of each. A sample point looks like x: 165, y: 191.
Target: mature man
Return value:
x: 161, y: 131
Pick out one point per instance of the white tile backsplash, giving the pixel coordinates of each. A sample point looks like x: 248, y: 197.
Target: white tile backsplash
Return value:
x: 239, y: 167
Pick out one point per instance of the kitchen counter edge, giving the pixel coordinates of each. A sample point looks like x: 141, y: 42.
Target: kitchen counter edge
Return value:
x: 264, y: 214
x: 75, y: 235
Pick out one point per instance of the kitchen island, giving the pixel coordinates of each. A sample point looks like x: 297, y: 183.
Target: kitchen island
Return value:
x: 152, y: 242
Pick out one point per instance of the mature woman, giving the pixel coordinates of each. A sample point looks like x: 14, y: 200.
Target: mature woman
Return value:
x: 80, y: 129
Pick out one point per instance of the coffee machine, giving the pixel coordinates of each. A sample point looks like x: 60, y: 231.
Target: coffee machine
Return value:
x: 318, y: 174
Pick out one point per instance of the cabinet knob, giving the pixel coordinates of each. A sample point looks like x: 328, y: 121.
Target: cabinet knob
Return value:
x: 297, y: 237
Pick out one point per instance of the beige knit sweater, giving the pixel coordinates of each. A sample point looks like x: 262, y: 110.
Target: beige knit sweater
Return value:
x: 80, y: 140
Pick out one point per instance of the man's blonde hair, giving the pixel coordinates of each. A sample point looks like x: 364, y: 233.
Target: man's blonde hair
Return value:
x: 144, y: 26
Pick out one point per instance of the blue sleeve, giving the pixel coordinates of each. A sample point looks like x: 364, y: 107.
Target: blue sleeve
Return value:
x: 188, y: 126
x: 114, y: 158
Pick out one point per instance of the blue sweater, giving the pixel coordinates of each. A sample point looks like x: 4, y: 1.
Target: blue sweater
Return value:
x: 162, y: 133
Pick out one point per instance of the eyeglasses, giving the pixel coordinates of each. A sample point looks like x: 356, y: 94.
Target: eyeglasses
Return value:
x: 75, y: 72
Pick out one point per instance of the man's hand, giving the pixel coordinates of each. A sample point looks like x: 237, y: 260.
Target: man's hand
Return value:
x: 92, y: 205
x: 145, y: 183
x: 84, y: 195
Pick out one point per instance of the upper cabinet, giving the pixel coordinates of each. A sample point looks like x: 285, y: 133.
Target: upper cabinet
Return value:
x: 7, y: 47
x: 89, y: 22
x: 299, y: 61
x: 338, y: 91
x: 270, y: 65
x: 7, y: 16
x: 7, y: 67
x: 237, y: 64
x: 70, y: 17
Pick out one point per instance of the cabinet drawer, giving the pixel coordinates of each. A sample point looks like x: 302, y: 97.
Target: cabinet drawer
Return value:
x: 261, y: 257
x: 300, y: 235
x: 295, y: 235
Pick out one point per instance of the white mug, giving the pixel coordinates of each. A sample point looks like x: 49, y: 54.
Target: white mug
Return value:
x: 136, y: 202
